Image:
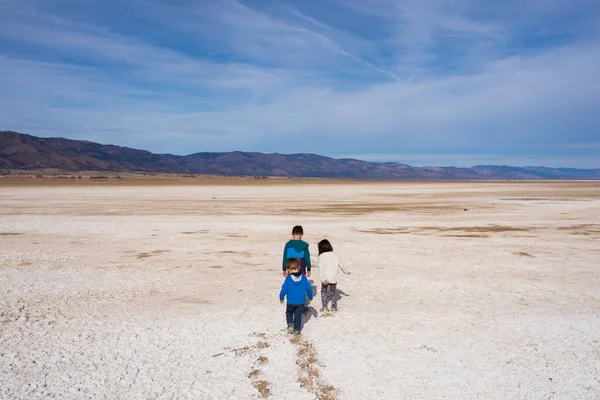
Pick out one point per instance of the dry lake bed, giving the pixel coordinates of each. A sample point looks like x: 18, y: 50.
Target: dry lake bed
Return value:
x: 478, y: 290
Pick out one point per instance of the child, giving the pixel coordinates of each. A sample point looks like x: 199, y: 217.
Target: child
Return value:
x: 295, y: 288
x: 297, y: 248
x: 329, y: 272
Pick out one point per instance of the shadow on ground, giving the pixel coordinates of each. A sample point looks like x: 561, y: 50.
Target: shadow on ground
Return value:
x: 308, y: 315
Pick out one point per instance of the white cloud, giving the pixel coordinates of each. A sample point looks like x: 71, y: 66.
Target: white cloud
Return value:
x: 289, y: 80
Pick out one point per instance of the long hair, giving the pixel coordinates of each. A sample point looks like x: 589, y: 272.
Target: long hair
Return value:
x: 325, y: 246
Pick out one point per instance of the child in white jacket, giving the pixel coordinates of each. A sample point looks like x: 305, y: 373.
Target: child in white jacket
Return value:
x: 329, y: 272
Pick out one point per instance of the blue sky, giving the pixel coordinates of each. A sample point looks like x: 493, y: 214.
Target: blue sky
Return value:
x: 425, y: 82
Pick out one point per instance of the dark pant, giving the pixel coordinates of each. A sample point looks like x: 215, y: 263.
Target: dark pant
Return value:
x: 293, y: 315
x: 302, y: 266
x: 329, y: 293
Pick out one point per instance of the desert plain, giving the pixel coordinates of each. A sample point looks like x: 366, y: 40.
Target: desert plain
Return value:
x: 458, y: 290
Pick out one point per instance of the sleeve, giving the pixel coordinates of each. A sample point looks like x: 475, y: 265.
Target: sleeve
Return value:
x: 283, y: 290
x: 284, y: 257
x: 309, y: 290
x: 321, y: 270
x: 307, y: 258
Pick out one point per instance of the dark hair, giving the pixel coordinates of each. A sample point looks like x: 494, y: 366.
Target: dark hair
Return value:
x: 297, y: 230
x: 292, y: 264
x: 325, y: 246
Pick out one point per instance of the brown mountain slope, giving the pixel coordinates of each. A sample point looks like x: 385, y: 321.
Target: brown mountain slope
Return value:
x: 26, y: 152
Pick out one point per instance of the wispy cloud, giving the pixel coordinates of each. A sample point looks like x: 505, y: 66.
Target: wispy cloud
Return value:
x: 441, y: 80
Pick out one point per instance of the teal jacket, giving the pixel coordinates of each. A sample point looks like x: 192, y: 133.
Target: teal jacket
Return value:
x: 297, y: 249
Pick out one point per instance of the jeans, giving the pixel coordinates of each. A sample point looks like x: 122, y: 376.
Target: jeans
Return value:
x: 329, y: 293
x: 293, y: 315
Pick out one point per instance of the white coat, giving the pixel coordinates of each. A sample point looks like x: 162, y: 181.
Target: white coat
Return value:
x: 330, y: 267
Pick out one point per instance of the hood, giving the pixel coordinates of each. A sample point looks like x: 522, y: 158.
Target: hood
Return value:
x: 298, y: 245
x: 296, y: 278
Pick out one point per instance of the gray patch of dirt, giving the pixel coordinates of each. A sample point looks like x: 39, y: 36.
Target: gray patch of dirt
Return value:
x: 310, y: 376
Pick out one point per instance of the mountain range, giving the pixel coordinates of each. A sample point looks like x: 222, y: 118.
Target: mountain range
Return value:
x: 25, y: 152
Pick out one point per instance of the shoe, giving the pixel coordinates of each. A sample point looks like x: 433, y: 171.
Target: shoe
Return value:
x: 296, y: 333
x: 333, y: 308
x: 324, y: 309
x: 290, y: 329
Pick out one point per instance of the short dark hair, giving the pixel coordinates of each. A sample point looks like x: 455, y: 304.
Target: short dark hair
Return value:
x: 297, y: 230
x: 292, y: 264
x: 325, y: 246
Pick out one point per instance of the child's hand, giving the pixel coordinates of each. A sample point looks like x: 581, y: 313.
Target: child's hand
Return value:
x: 284, y: 274
x: 307, y: 273
x: 281, y: 301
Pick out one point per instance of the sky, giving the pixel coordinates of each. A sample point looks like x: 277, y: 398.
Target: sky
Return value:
x: 423, y: 82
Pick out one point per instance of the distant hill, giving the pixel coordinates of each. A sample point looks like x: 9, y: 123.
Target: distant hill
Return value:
x: 25, y: 152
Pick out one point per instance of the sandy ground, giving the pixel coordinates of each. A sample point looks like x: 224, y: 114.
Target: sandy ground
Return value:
x: 458, y: 291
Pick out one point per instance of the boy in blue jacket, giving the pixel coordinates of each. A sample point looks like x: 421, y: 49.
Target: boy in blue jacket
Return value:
x: 295, y: 287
